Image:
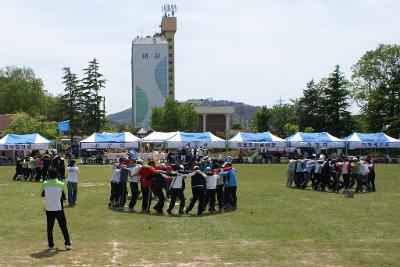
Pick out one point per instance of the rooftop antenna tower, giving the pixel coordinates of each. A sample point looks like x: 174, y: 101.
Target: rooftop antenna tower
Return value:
x: 169, y: 10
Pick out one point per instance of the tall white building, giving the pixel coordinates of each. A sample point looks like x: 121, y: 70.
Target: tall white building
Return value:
x: 149, y: 77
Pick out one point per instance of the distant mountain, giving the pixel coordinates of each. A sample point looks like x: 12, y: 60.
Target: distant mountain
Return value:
x: 243, y: 113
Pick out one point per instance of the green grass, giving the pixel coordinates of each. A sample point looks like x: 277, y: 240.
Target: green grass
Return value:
x: 273, y: 226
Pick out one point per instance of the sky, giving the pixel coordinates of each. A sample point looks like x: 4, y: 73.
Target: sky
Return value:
x: 251, y: 51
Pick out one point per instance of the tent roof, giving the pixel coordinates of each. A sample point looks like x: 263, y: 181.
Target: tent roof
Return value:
x: 124, y: 137
x: 370, y: 137
x: 255, y: 137
x: 195, y: 137
x: 158, y: 137
x: 313, y: 137
x: 24, y: 139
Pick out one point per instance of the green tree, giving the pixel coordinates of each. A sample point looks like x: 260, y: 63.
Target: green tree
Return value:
x: 309, y: 130
x: 72, y: 101
x: 262, y: 118
x: 336, y: 103
x: 189, y: 118
x: 376, y: 78
x: 174, y: 116
x: 25, y: 124
x: 21, y: 91
x: 236, y: 126
x: 308, y: 107
x: 280, y: 115
x: 290, y: 129
x: 92, y: 83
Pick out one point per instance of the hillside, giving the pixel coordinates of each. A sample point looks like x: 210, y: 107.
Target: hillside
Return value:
x: 243, y: 112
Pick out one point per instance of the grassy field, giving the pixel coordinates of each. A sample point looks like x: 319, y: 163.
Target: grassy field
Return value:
x: 273, y: 226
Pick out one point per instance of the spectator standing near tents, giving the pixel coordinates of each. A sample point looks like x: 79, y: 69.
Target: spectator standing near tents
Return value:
x: 54, y: 193
x: 32, y: 169
x: 38, y: 168
x: 371, y: 176
x: 73, y: 173
x: 18, y: 169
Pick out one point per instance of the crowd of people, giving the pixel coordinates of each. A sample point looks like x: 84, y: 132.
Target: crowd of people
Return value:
x: 213, y: 185
x: 36, y: 167
x: 333, y: 174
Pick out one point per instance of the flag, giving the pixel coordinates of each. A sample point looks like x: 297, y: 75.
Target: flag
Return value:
x: 63, y: 126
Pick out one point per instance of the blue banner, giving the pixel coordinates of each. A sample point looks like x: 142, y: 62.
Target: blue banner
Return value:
x: 63, y: 126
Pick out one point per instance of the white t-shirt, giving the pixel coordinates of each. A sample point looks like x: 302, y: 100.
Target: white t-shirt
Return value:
x: 115, y: 175
x: 211, y: 181
x: 134, y: 171
x: 177, y: 182
x: 73, y: 173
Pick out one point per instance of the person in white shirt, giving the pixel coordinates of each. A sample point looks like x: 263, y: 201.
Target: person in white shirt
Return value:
x: 290, y: 172
x: 73, y: 173
x: 176, y: 190
x: 211, y: 187
x: 114, y: 195
x: 134, y: 183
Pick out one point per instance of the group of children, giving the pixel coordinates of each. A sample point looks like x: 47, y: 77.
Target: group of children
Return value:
x: 212, y: 184
x: 333, y: 174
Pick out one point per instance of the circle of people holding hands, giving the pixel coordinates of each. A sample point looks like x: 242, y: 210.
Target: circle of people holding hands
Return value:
x: 333, y: 174
x: 213, y: 184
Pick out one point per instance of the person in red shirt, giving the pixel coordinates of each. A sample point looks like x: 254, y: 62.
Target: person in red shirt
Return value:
x: 146, y: 173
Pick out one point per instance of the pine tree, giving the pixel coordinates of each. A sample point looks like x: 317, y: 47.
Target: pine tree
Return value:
x: 335, y: 103
x: 309, y: 108
x: 72, y: 100
x: 92, y: 83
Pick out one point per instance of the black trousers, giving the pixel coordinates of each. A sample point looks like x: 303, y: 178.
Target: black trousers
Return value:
x: 114, y: 195
x: 134, y: 194
x: 38, y: 174
x: 346, y: 180
x: 210, y: 199
x: 122, y: 193
x: 176, y: 192
x: 62, y: 222
x: 220, y: 195
x: 146, y: 201
x: 230, y: 195
x: 161, y: 199
x: 371, y: 180
x: 198, y: 195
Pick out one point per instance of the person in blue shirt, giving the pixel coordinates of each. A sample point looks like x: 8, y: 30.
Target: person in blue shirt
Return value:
x: 230, y: 183
x: 205, y: 162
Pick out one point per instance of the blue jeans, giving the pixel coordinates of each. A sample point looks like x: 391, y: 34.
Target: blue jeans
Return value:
x: 72, y: 192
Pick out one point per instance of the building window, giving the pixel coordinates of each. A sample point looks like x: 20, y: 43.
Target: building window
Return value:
x: 170, y: 70
x: 170, y: 92
x: 170, y: 78
x: 170, y: 63
x: 170, y: 55
x: 170, y: 85
x: 170, y: 47
x: 169, y: 39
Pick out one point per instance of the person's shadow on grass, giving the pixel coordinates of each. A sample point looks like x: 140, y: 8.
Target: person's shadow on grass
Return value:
x: 47, y: 253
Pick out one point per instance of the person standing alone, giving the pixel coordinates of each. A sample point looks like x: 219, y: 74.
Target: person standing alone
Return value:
x: 54, y: 193
x: 73, y: 173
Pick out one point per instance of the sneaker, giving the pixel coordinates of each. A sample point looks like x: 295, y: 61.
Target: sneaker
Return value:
x: 68, y: 247
x: 132, y: 210
x: 51, y: 247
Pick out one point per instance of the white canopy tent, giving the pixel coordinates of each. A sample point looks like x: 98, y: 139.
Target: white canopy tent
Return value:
x: 158, y: 137
x: 206, y: 140
x: 24, y: 142
x: 111, y: 141
x: 264, y: 140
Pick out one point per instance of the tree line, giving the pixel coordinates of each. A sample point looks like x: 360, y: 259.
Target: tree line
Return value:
x: 36, y: 110
x: 325, y: 105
